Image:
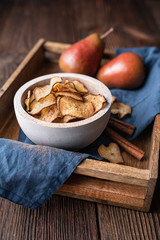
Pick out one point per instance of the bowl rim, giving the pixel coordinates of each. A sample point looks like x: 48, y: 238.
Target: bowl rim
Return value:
x: 18, y: 104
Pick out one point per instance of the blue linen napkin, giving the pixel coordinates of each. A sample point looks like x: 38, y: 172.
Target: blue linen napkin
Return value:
x: 30, y: 174
x: 144, y: 101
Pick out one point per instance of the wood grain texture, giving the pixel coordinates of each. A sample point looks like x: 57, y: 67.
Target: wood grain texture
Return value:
x: 101, y: 191
x: 117, y: 173
x: 22, y: 23
x: 59, y: 218
x: 24, y: 72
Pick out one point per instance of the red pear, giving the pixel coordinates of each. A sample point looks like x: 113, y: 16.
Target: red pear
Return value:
x: 83, y: 56
x: 126, y: 71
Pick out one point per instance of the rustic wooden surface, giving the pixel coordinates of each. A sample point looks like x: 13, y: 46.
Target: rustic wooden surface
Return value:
x: 22, y: 23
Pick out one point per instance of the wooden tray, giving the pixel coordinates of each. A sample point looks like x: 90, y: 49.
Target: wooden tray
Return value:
x: 130, y: 185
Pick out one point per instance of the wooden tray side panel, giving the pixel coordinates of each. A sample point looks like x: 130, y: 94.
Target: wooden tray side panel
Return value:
x: 22, y: 74
x: 57, y: 47
x: 154, y: 148
x: 153, y: 163
x: 106, y: 192
x: 113, y: 172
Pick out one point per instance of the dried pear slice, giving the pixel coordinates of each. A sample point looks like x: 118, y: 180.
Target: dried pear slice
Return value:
x: 68, y: 118
x: 120, y: 109
x: 58, y: 99
x: 76, y: 108
x: 76, y: 96
x: 41, y: 92
x: 29, y: 94
x: 32, y: 98
x: 66, y: 81
x: 114, y: 98
x: 27, y: 101
x: 80, y: 86
x: 37, y: 106
x: 49, y: 114
x: 55, y: 80
x: 111, y: 153
x: 69, y: 87
x: 65, y: 119
x: 57, y: 87
x: 98, y: 101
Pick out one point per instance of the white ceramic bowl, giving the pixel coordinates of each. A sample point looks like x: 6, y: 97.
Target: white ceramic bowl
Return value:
x: 73, y: 135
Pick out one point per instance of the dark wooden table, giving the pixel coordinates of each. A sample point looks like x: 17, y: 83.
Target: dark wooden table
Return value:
x: 22, y: 23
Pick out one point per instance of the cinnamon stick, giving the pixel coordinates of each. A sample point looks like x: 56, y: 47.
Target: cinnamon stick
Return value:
x: 128, y: 146
x: 121, y: 126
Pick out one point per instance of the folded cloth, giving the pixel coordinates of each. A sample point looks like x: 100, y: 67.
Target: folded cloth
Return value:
x: 144, y: 101
x: 30, y: 174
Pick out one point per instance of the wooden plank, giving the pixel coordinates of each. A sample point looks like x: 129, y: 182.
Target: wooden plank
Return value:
x: 114, y: 172
x: 57, y: 47
x: 22, y: 74
x: 56, y: 219
x: 103, y: 191
x: 154, y: 148
x: 153, y: 163
x: 10, y: 128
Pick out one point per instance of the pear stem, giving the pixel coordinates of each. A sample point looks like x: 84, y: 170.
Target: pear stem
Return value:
x: 107, y: 33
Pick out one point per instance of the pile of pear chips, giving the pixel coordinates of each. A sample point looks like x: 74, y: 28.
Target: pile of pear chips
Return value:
x: 63, y: 102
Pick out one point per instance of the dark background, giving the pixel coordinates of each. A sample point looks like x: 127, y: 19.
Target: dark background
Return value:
x: 22, y: 23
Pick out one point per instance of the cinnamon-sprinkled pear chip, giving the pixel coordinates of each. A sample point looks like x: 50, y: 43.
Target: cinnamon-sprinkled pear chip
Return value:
x: 55, y: 80
x: 111, y: 153
x: 66, y: 81
x: 27, y: 101
x: 68, y: 118
x: 49, y: 114
x: 80, y: 86
x: 76, y: 96
x: 58, y: 99
x: 98, y: 101
x: 114, y: 98
x: 120, y: 109
x: 76, y: 108
x: 37, y: 106
x: 41, y: 92
x: 57, y: 87
x: 69, y: 86
x: 32, y: 98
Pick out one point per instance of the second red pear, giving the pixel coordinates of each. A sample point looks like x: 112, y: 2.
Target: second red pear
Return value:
x: 126, y: 71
